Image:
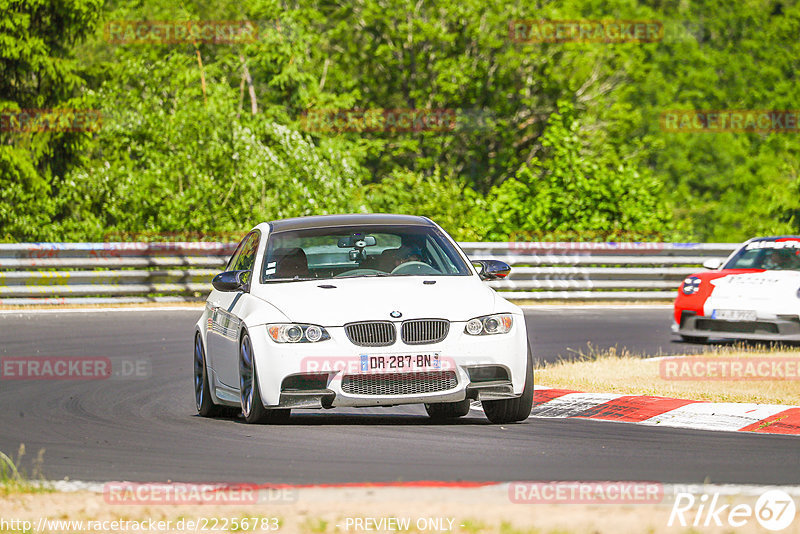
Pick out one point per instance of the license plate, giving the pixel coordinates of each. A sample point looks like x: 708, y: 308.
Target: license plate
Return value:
x: 734, y: 315
x: 397, y: 363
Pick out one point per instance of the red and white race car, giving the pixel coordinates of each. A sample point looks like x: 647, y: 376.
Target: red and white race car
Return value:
x: 754, y: 294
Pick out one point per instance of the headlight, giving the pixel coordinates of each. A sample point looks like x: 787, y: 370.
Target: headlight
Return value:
x: 297, y: 333
x: 691, y: 285
x: 490, y: 324
x: 798, y: 292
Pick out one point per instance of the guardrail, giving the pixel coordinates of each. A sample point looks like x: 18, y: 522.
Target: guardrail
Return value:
x: 94, y: 273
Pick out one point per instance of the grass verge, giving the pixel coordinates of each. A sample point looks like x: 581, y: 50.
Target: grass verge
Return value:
x: 15, y: 480
x: 629, y: 374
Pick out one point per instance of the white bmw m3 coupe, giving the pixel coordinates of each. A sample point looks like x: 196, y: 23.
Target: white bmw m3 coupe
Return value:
x: 359, y: 311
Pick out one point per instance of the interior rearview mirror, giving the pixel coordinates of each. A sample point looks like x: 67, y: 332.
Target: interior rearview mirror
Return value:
x: 358, y: 241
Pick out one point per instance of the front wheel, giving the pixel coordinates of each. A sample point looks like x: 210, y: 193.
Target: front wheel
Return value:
x: 513, y: 410
x: 252, y: 407
x: 447, y: 410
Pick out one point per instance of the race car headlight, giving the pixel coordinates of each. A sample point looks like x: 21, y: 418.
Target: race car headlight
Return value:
x: 691, y: 285
x: 489, y: 325
x: 297, y: 333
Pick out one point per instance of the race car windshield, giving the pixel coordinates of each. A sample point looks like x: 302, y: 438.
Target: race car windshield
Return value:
x: 769, y: 255
x: 360, y: 251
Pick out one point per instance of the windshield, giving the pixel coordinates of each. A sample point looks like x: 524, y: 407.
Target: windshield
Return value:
x: 361, y: 251
x: 770, y: 255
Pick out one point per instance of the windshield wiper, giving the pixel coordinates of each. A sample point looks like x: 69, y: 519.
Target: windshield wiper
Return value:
x: 296, y: 279
x: 361, y: 276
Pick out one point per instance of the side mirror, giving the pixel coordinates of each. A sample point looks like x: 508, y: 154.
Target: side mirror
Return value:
x: 492, y: 269
x: 232, y: 281
x: 712, y: 263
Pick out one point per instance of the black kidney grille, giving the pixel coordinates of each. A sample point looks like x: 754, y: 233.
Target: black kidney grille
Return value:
x: 371, y: 333
x: 422, y: 331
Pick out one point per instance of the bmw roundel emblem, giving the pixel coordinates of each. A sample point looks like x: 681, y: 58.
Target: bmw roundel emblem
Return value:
x: 396, y: 314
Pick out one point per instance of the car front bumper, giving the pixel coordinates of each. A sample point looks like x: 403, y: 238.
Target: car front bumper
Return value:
x: 326, y: 374
x: 777, y: 328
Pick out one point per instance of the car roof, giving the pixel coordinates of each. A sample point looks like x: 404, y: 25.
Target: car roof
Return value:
x: 356, y: 219
x: 773, y: 238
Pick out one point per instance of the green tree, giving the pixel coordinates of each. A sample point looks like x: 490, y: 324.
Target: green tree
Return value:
x: 38, y: 70
x: 569, y: 194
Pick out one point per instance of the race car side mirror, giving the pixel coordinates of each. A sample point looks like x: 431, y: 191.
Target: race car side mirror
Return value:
x: 712, y: 263
x: 232, y: 281
x: 492, y: 269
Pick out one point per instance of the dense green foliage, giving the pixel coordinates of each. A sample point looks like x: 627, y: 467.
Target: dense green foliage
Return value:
x: 552, y: 140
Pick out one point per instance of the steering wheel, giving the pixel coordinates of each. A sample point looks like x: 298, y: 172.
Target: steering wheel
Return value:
x: 414, y: 267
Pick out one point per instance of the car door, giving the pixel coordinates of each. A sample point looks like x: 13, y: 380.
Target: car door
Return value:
x: 223, y: 337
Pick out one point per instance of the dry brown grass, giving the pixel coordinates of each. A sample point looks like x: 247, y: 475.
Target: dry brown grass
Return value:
x: 622, y: 372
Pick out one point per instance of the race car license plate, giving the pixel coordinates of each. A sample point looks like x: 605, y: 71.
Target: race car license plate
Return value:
x: 393, y: 363
x: 734, y: 315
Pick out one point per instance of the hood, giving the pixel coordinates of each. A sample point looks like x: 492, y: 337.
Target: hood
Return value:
x: 457, y: 298
x: 769, y: 291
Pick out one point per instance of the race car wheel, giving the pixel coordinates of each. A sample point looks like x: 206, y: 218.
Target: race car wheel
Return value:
x: 202, y: 391
x: 694, y: 339
x: 513, y: 410
x: 447, y: 410
x: 252, y: 407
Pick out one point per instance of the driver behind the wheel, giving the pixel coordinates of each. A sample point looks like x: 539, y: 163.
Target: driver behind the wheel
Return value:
x: 407, y: 253
x: 780, y: 260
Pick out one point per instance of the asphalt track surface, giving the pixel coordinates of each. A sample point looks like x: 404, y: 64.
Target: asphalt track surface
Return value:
x: 146, y: 429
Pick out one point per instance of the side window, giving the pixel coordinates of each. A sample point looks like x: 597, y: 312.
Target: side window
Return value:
x: 247, y: 254
x: 235, y: 255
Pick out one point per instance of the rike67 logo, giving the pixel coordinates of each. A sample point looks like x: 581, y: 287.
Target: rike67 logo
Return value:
x: 774, y: 510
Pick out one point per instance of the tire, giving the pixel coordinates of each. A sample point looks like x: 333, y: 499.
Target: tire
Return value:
x: 513, y: 410
x: 202, y: 392
x: 447, y: 410
x: 694, y: 339
x: 252, y: 407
